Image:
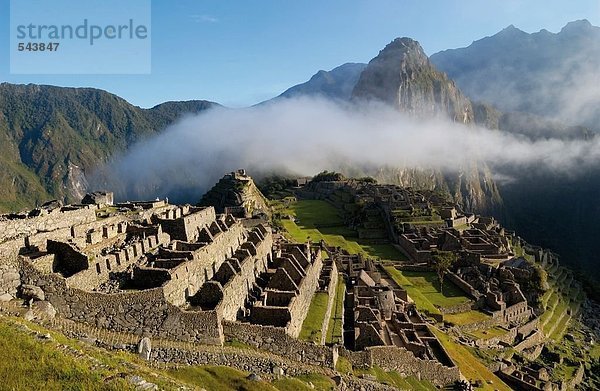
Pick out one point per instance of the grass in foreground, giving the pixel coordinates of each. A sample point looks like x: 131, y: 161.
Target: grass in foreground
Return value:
x: 216, y: 378
x: 303, y: 382
x: 61, y: 363
x: 27, y: 363
x: 312, y: 327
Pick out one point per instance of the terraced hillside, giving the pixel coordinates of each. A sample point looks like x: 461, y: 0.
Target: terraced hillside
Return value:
x: 561, y: 302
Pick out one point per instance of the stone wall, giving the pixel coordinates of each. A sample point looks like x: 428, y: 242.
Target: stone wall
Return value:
x: 508, y: 338
x: 10, y: 278
x: 300, y: 304
x: 459, y: 308
x: 517, y: 312
x: 463, y: 285
x: 89, y: 272
x: 408, y: 248
x: 56, y: 219
x: 528, y: 328
x: 235, y: 292
x: 186, y: 228
x: 531, y: 341
x: 253, y: 362
x: 275, y: 340
x: 188, y: 277
x: 392, y: 358
x: 142, y: 312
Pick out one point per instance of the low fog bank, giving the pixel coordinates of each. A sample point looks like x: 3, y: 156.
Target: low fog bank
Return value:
x: 307, y: 135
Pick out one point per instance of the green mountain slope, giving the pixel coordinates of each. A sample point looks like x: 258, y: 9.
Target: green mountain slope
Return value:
x: 50, y: 137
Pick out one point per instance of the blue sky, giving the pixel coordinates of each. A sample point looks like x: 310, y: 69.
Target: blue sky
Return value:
x: 240, y: 52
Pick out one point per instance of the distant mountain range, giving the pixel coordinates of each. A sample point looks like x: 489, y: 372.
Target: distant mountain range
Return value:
x: 556, y: 76
x: 337, y: 83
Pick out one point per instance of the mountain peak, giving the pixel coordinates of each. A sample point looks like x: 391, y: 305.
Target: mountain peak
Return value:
x: 577, y: 26
x: 402, y: 76
x: 401, y: 47
x: 511, y: 31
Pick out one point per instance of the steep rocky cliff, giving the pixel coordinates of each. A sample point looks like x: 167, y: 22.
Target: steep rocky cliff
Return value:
x: 402, y: 76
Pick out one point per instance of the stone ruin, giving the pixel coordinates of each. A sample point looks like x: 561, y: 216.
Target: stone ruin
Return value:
x: 236, y: 194
x: 380, y: 314
x: 186, y: 273
x: 100, y: 198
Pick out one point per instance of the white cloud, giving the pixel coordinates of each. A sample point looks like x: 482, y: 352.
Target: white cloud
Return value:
x: 306, y: 136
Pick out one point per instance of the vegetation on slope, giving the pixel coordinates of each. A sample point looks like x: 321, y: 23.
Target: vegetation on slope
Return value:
x: 51, y: 136
x: 33, y: 357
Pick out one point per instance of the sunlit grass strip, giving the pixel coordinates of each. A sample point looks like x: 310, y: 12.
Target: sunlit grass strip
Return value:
x: 335, y: 328
x: 313, y: 323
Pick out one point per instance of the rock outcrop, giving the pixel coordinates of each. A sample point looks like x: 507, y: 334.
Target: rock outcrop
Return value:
x: 236, y: 194
x: 403, y: 76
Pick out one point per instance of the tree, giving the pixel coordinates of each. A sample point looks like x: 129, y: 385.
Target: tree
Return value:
x: 443, y: 261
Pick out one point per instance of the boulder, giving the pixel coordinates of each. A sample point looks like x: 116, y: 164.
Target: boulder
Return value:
x: 5, y: 297
x: 144, y: 348
x: 43, y: 310
x: 29, y: 315
x: 32, y: 292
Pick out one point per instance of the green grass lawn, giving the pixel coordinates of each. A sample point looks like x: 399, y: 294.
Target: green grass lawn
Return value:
x: 335, y: 328
x: 217, y: 378
x: 429, y: 284
x: 320, y: 382
x: 423, y: 288
x: 318, y: 220
x: 315, y: 213
x: 423, y: 304
x: 214, y: 378
x: 61, y: 363
x: 561, y: 328
x: 312, y: 328
x: 468, y: 317
x: 492, y: 332
x: 555, y: 316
